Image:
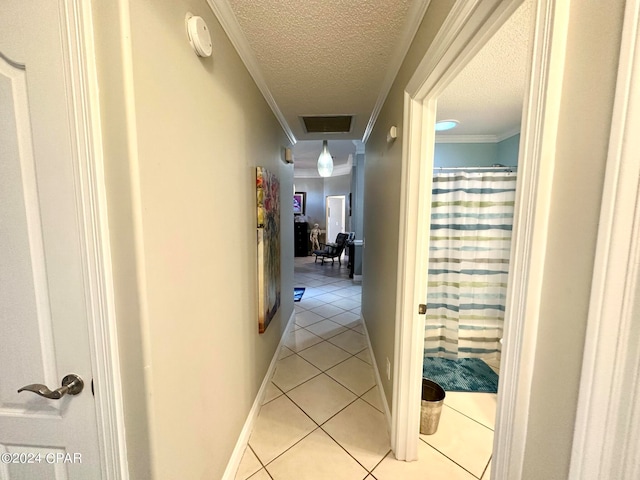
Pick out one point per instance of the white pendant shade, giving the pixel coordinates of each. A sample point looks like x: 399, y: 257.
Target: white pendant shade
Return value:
x: 325, y: 162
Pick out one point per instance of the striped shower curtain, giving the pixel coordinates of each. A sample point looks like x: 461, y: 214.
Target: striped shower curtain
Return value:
x: 471, y: 223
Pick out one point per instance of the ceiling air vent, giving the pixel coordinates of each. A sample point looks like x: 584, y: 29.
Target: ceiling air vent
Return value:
x: 328, y: 124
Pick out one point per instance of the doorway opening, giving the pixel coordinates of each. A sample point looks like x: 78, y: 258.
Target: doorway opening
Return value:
x: 336, y: 216
x: 467, y: 29
x: 472, y: 211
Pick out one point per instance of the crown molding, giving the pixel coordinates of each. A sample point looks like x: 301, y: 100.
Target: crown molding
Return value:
x: 224, y: 13
x: 466, y: 139
x: 414, y: 18
x: 508, y: 134
x: 477, y: 138
x: 359, y: 146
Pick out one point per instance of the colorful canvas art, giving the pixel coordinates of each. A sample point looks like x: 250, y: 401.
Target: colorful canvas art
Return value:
x: 268, y: 202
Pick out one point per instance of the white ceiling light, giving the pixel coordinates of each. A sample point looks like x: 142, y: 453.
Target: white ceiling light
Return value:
x: 325, y: 162
x: 443, y: 125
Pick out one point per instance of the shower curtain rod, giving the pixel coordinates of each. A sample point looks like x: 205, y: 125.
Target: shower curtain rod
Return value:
x: 497, y: 167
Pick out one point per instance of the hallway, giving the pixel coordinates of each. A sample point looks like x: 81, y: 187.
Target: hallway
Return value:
x: 322, y: 416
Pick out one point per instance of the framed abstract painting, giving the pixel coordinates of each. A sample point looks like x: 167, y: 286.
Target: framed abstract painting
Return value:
x: 299, y: 203
x: 268, y: 229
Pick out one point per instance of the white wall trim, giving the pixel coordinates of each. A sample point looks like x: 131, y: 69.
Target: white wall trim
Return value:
x: 409, y: 332
x: 92, y: 206
x: 223, y: 11
x: 383, y: 398
x: 533, y: 199
x: 414, y: 19
x: 464, y: 32
x: 605, y: 444
x: 466, y: 138
x: 438, y: 64
x: 245, y: 433
x: 508, y: 134
x: 443, y: 138
x: 360, y: 147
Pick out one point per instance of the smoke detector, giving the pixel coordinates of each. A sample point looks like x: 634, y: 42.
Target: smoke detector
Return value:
x: 199, y: 36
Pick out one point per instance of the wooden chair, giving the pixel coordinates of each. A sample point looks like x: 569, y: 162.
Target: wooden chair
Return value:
x: 332, y: 250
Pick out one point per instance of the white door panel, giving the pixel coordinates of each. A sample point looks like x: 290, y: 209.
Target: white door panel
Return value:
x: 43, y: 310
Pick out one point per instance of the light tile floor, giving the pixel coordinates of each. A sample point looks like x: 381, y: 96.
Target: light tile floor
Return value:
x: 322, y: 415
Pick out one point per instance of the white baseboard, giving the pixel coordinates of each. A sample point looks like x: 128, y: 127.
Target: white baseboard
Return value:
x: 357, y: 279
x: 383, y: 398
x: 243, y: 439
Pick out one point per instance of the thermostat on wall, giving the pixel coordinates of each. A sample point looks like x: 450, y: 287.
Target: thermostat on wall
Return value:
x: 199, y: 36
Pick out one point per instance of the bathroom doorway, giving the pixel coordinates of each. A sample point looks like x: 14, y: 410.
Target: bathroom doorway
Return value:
x: 462, y: 36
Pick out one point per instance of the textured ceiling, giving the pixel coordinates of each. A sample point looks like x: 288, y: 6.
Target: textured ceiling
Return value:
x: 339, y: 57
x: 487, y: 96
x: 326, y: 57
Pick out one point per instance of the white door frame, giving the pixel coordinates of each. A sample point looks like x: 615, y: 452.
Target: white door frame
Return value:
x: 467, y: 28
x: 606, y: 438
x: 92, y: 212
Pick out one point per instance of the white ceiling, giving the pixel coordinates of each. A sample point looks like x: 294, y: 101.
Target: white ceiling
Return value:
x: 322, y: 57
x: 487, y: 96
x: 333, y: 57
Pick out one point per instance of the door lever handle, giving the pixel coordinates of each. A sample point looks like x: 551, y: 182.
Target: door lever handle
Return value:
x: 72, y: 384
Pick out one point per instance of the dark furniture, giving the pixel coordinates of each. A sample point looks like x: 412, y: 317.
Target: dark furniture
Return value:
x: 352, y: 251
x: 301, y: 239
x: 332, y: 250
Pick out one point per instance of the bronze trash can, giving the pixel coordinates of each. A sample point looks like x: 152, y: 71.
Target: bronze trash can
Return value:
x: 431, y: 406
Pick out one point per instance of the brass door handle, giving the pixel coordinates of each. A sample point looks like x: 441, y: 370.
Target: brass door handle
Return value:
x: 72, y: 384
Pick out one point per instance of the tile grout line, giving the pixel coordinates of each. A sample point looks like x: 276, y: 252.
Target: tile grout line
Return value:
x: 470, y: 418
x: 325, y: 372
x: 320, y: 425
x: 342, y: 447
x: 486, y: 467
x: 259, y: 461
x: 382, y: 460
x: 440, y: 453
x: 289, y: 448
x: 449, y: 458
x: 358, y: 397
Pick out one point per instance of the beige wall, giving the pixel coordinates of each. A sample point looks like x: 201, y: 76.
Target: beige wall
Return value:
x: 181, y: 196
x: 585, y: 116
x: 382, y: 203
x: 587, y: 102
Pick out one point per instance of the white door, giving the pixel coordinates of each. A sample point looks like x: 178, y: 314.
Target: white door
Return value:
x: 335, y: 216
x: 43, y: 310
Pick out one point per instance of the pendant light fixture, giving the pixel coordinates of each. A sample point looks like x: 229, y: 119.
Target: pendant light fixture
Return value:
x: 325, y: 162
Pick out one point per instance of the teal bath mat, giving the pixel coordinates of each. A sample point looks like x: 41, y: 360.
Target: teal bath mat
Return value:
x: 461, y: 375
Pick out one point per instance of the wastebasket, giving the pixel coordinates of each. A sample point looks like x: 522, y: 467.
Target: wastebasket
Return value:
x: 431, y: 406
